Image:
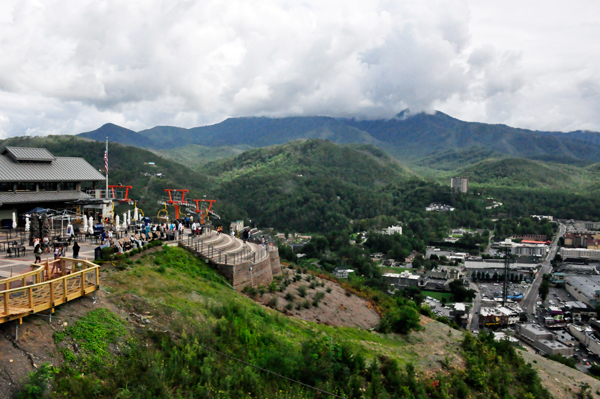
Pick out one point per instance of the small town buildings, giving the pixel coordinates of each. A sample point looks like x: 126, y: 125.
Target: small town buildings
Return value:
x: 342, y: 272
x: 433, y: 207
x: 393, y: 230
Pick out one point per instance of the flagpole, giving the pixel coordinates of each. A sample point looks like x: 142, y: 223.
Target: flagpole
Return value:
x: 106, y: 166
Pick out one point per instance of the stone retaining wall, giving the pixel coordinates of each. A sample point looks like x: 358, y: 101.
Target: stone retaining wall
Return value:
x: 249, y: 274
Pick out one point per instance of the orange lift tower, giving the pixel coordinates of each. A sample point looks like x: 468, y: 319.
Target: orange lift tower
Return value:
x: 176, y: 199
x: 119, y: 195
x: 204, y: 211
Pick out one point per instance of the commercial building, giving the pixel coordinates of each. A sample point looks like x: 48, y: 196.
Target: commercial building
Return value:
x: 576, y: 253
x: 403, y: 280
x: 499, y: 317
x: 533, y: 333
x: 34, y: 177
x: 585, y: 335
x: 459, y: 185
x: 553, y: 348
x: 583, y: 288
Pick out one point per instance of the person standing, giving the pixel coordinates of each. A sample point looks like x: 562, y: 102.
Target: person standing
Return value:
x: 76, y: 248
x: 38, y: 253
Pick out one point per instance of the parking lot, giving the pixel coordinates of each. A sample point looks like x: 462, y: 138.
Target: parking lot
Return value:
x: 437, y: 307
x: 490, y: 290
x: 557, y: 297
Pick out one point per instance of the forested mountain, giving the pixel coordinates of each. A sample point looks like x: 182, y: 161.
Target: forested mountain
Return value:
x: 409, y: 137
x: 118, y: 134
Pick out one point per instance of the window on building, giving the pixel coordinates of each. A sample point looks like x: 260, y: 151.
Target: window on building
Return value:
x: 26, y: 187
x: 4, y: 187
x: 48, y: 186
x: 68, y: 186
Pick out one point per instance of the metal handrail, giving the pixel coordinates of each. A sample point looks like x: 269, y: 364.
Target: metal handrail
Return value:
x: 227, y: 258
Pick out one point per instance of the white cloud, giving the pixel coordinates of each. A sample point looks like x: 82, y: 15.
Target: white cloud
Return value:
x: 72, y: 65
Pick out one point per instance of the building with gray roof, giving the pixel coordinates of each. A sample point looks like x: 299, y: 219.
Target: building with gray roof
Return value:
x: 33, y: 177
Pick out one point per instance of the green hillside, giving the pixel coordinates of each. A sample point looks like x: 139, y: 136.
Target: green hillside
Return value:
x: 193, y: 155
x: 201, y: 339
x: 309, y: 185
x: 528, y: 174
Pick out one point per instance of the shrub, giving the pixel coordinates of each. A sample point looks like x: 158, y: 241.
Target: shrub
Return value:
x: 107, y: 253
x: 272, y: 303
x: 272, y: 287
x: 328, y: 290
x: 302, y: 291
x: 289, y: 306
x: 289, y: 297
x: 313, y: 285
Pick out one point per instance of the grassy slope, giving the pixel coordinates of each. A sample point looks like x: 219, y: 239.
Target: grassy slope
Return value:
x: 179, y: 293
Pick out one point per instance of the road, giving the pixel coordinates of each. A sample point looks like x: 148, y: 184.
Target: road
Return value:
x: 476, y: 308
x: 528, y: 303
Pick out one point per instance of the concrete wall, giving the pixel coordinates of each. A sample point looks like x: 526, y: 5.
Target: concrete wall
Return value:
x: 275, y: 262
x: 249, y: 274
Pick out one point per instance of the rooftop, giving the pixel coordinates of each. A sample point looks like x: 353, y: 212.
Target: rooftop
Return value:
x: 39, y: 165
x: 23, y: 154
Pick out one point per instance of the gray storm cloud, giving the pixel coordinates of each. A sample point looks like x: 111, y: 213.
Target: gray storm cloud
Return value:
x: 69, y: 66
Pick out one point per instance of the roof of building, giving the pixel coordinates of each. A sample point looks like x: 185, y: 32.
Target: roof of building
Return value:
x: 41, y: 196
x: 56, y: 169
x: 28, y: 154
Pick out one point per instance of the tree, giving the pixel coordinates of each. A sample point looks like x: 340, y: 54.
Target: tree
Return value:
x: 544, y: 289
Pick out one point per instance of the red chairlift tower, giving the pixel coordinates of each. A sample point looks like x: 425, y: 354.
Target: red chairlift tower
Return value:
x: 176, y: 199
x: 118, y: 195
x: 204, y: 211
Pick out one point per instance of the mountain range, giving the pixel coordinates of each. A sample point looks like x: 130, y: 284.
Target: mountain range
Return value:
x: 408, y: 137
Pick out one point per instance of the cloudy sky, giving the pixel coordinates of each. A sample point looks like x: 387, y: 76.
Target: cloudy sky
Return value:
x: 68, y: 66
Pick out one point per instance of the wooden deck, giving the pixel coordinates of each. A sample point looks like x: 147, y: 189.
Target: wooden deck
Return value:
x: 46, y: 286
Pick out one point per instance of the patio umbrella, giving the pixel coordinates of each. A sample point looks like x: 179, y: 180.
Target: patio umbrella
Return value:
x: 45, y: 226
x: 124, y: 221
x: 91, y: 226
x: 14, y: 224
x: 85, y: 224
x: 135, y: 214
x: 117, y: 222
x: 27, y: 223
x: 129, y: 216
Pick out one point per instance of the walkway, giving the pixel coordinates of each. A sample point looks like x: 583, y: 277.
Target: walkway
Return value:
x: 46, y: 286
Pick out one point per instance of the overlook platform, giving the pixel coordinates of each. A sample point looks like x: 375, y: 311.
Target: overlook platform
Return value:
x: 244, y: 264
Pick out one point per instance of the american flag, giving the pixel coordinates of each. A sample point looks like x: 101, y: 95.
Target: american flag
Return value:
x: 106, y: 161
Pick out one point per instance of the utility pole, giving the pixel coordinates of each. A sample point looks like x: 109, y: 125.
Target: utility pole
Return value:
x: 106, y: 166
x: 506, y: 245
